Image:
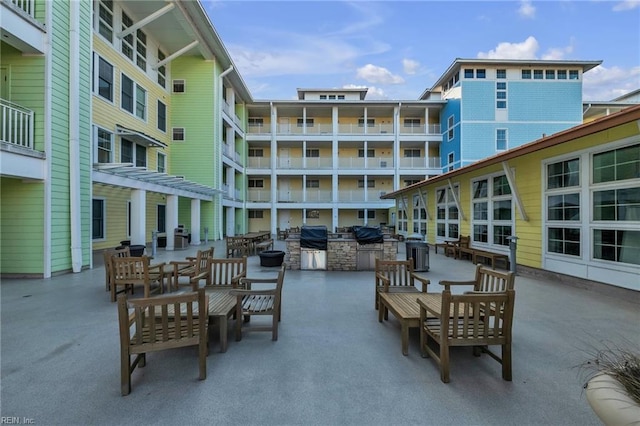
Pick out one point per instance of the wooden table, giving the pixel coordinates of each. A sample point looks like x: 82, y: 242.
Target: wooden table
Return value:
x: 255, y: 237
x: 405, y: 308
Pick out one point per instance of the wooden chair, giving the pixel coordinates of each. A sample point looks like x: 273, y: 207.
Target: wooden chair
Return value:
x: 453, y: 247
x: 192, y: 267
x: 122, y: 251
x: 397, y: 276
x: 153, y: 326
x: 486, y: 280
x: 131, y: 271
x: 222, y: 274
x: 252, y: 301
x: 477, y: 319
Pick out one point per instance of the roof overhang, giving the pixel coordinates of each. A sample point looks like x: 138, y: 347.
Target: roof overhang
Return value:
x: 127, y: 176
x: 138, y: 137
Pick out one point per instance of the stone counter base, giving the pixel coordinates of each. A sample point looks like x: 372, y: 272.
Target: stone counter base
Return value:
x: 342, y: 254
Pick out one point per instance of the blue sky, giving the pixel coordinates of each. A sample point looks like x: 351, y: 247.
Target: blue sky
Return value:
x: 399, y: 48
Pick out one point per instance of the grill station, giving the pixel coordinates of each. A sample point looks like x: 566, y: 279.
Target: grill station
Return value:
x: 313, y: 247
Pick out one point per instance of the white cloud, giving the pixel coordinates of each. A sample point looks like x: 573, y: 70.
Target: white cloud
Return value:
x: 380, y: 75
x: 376, y: 93
x: 556, y: 53
x: 626, y: 5
x: 410, y: 66
x: 505, y: 50
x: 605, y: 84
x: 527, y: 10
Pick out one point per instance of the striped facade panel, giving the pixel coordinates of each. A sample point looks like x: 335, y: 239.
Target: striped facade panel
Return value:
x: 116, y: 201
x: 478, y: 100
x: 194, y: 110
x: 22, y: 227
x: 451, y: 109
x: 554, y: 101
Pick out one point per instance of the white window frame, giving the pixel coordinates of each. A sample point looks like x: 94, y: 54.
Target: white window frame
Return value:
x: 505, y: 140
x: 447, y: 213
x: 161, y: 162
x: 419, y: 216
x: 180, y: 84
x: 403, y: 218
x: 97, y: 148
x: 135, y: 153
x: 451, y: 127
x: 135, y: 101
x: 98, y: 20
x: 178, y: 134
x: 97, y: 77
x: 490, y: 200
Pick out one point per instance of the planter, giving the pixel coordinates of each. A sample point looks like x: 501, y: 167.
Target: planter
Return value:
x: 610, y: 401
x: 271, y: 258
x: 136, y: 250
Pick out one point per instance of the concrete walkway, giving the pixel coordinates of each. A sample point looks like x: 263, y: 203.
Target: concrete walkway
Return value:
x: 334, y: 363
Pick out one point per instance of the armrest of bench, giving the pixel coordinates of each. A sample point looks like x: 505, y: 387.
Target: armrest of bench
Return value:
x: 425, y: 282
x: 447, y: 284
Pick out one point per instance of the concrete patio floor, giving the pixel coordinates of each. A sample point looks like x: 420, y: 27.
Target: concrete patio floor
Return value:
x: 334, y: 363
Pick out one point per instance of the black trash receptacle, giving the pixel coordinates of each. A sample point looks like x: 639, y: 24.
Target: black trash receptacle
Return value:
x: 136, y: 250
x: 420, y: 253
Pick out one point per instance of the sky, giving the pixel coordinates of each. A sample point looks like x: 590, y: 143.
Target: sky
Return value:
x: 398, y: 49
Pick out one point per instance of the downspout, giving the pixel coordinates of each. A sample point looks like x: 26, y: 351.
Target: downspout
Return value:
x: 47, y: 145
x: 219, y: 195
x: 74, y: 137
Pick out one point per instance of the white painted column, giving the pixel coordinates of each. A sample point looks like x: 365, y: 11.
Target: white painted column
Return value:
x: 138, y: 217
x: 195, y: 222
x: 172, y: 220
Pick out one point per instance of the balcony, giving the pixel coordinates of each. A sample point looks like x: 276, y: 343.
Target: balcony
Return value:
x: 16, y: 124
x: 27, y: 6
x: 420, y: 163
x: 365, y: 163
x: 421, y: 129
x: 259, y: 162
x: 359, y: 129
x: 20, y: 28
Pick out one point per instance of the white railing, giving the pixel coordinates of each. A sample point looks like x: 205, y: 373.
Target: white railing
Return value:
x: 259, y: 129
x: 432, y: 129
x: 359, y: 129
x: 16, y: 124
x: 317, y: 196
x: 27, y: 5
x: 318, y: 163
x: 259, y: 162
x: 258, y: 195
x: 351, y: 195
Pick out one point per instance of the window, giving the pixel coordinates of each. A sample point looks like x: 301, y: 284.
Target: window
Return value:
x: 370, y: 122
x: 312, y: 153
x: 526, y: 74
x: 256, y: 152
x: 450, y: 160
x: 313, y: 183
x: 492, y: 211
x: 98, y: 223
x: 177, y: 134
x: 537, y: 74
x: 312, y: 214
x: 501, y: 73
x: 126, y: 96
x: 419, y: 216
x: 501, y: 95
x: 402, y: 215
x: 103, y: 78
x: 468, y: 73
x: 501, y: 139
x: 563, y: 174
x: 133, y: 153
x: 370, y: 153
x: 162, y: 163
x: 256, y: 214
x: 550, y: 74
x: 323, y: 97
x: 617, y: 204
x: 133, y: 98
x: 411, y: 122
x: 450, y: 123
x: 481, y: 73
x: 179, y: 86
x: 309, y: 122
x: 412, y: 153
x: 256, y: 183
x: 127, y: 41
x: 340, y: 97
x: 105, y: 19
x: 162, y: 116
x: 141, y: 103
x: 255, y: 122
x: 447, y: 217
x: 371, y: 183
x: 371, y: 214
x: 104, y: 145
x: 573, y: 75
x: 564, y: 241
x: 161, y: 218
x: 408, y: 182
x: 562, y: 74
x: 617, y: 245
x: 162, y: 70
x: 141, y: 50
x: 332, y: 96
x: 616, y: 165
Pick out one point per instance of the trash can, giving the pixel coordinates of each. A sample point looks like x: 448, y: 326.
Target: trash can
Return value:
x: 420, y: 253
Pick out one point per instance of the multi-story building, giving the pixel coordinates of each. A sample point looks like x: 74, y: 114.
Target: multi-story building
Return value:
x: 121, y: 118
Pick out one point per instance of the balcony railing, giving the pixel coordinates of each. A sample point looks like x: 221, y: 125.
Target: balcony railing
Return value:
x: 28, y: 6
x: 259, y: 129
x: 344, y: 129
x: 420, y: 163
x: 258, y: 195
x: 359, y: 129
x: 432, y: 129
x: 16, y: 124
x: 259, y: 162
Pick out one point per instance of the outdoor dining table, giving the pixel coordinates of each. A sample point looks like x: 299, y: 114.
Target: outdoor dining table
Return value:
x: 253, y: 238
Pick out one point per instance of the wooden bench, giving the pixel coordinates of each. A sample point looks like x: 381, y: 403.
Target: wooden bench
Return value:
x: 264, y: 245
x: 491, y: 257
x: 404, y: 307
x: 222, y: 305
